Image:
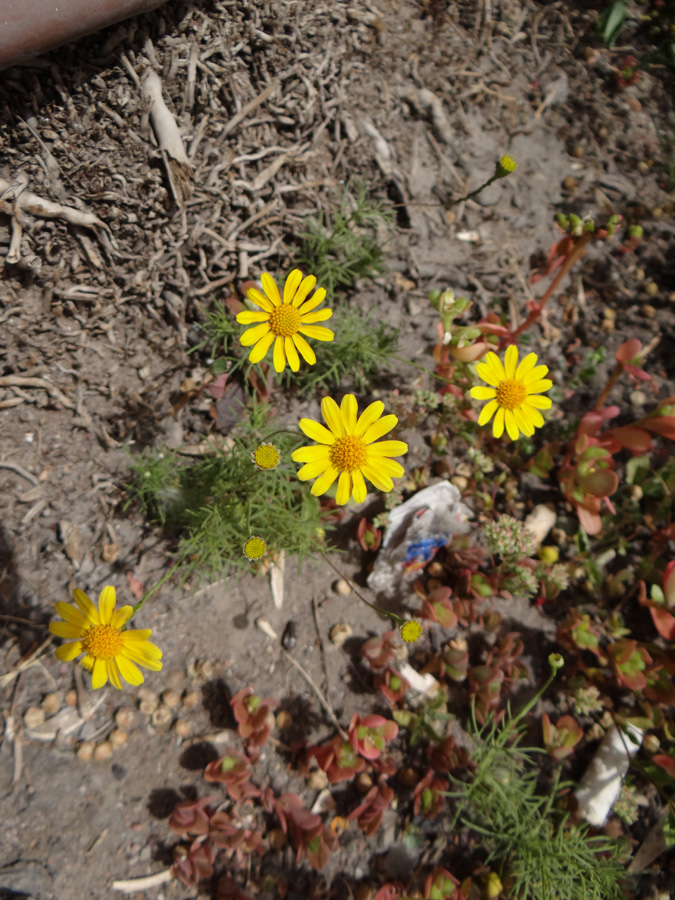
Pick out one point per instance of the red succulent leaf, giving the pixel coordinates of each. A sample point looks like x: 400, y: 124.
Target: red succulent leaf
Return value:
x: 664, y: 622
x: 631, y: 437
x: 663, y: 425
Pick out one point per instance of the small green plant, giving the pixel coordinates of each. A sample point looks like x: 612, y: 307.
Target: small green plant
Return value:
x: 344, y: 245
x: 524, y: 832
x: 360, y: 352
x: 215, y: 504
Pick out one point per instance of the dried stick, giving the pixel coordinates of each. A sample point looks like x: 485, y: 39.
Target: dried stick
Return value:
x: 142, y: 884
x: 322, y: 699
x: 176, y: 163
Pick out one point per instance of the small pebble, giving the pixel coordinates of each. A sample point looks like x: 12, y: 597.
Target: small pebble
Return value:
x: 318, y: 780
x: 607, y: 325
x: 161, y: 717
x: 408, y: 777
x: 652, y: 290
x: 103, y: 751
x: 204, y: 669
x: 85, y: 751
x: 191, y: 699
x: 460, y: 482
x: 33, y: 717
x: 147, y: 707
x: 117, y: 738
x: 124, y: 717
x: 182, y: 728
x: 570, y: 183
x: 363, y: 782
x: 339, y: 633
x: 577, y: 151
x: 638, y: 398
x: 635, y: 492
x: 643, y: 167
x: 609, y: 313
x: 119, y: 772
x: 277, y: 838
x: 284, y: 719
x: 648, y: 311
x: 342, y: 587
x: 71, y: 698
x: 651, y: 743
x: 171, y: 699
x: 51, y: 703
x: 436, y: 569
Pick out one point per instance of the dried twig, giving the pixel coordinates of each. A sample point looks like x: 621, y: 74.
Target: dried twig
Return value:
x: 176, y: 163
x: 142, y: 884
x: 322, y: 699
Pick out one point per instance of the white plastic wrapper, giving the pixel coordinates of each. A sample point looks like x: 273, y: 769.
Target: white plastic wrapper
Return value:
x: 601, y: 783
x: 417, y: 529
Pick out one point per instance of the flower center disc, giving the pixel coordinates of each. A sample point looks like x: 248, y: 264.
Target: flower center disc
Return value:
x: 348, y: 453
x: 102, y: 642
x: 511, y: 393
x: 284, y: 320
x: 266, y: 457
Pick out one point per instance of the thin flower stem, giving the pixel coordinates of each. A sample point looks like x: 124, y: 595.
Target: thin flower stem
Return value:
x: 579, y: 250
x: 158, y: 584
x: 611, y: 381
x: 397, y: 620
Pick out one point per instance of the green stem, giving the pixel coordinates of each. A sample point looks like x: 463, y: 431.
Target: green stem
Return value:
x: 397, y: 620
x: 157, y: 586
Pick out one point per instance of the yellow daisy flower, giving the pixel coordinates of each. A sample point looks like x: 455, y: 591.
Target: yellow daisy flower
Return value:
x: 513, y: 393
x: 284, y: 322
x: 255, y: 548
x: 110, y: 652
x: 347, y: 449
x: 266, y: 456
x: 411, y: 631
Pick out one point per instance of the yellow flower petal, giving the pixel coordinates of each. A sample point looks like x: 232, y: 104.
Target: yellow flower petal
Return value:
x: 488, y: 374
x: 318, y: 332
x: 313, y: 469
x: 306, y: 287
x: 71, y: 614
x: 511, y: 361
x: 99, y: 674
x: 310, y: 454
x: 495, y: 366
x: 358, y: 486
x: 523, y: 422
x: 332, y: 417
x: 106, y: 604
x: 319, y: 316
x: 538, y: 386
x: 291, y: 354
x: 526, y: 365
x: 535, y: 374
x: 140, y: 653
x: 344, y: 488
x: 511, y: 424
x: 387, y: 448
x: 87, y: 663
x: 136, y: 634
x: 253, y: 335
x: 487, y: 412
x: 304, y: 349
x: 389, y: 467
x: 313, y: 302
x: 292, y: 285
x: 68, y: 652
x: 480, y: 392
x: 498, y: 424
x: 350, y: 410
x: 260, y: 350
x: 279, y: 357
x: 381, y: 481
x: 259, y: 299
x: 67, y: 630
x: 369, y: 415
x: 86, y: 606
x: 114, y: 674
x: 128, y: 670
x: 121, y: 616
x: 539, y: 402
x: 323, y: 482
x: 316, y: 431
x: 533, y: 415
x: 269, y: 285
x: 377, y: 429
x: 248, y: 317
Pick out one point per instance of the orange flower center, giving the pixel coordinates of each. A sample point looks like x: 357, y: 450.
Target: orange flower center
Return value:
x: 284, y: 320
x: 102, y: 642
x: 511, y: 393
x: 348, y: 453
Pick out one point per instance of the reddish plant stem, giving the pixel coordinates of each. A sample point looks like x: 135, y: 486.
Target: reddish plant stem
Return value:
x: 579, y: 250
x: 611, y: 381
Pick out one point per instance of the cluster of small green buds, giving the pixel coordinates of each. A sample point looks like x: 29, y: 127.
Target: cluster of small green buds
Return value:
x: 480, y: 460
x: 559, y: 577
x: 627, y: 804
x: 509, y: 538
x: 448, y: 306
x: 586, y: 700
x: 506, y: 166
x: 522, y: 582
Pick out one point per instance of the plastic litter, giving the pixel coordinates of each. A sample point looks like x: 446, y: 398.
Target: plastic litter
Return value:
x: 416, y: 531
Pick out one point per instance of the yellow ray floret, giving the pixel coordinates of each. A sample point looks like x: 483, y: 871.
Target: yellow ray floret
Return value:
x: 282, y: 321
x: 350, y: 449
x: 513, y: 396
x: 111, y: 654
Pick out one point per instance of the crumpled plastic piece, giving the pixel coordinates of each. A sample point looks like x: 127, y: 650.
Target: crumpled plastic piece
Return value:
x: 417, y: 529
